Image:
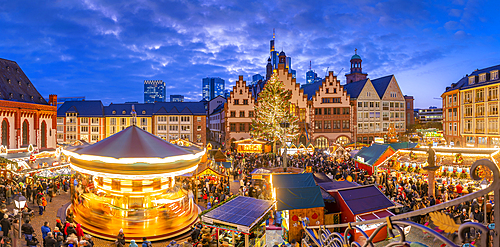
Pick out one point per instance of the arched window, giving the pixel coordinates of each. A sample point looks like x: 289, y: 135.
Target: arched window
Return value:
x: 44, y: 134
x: 322, y: 142
x: 25, y: 133
x: 342, y: 140
x: 5, y: 133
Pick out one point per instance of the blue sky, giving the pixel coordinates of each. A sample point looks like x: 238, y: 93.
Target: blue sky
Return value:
x: 106, y: 49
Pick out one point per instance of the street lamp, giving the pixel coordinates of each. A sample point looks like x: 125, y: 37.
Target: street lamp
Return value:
x: 20, y: 201
x: 284, y: 125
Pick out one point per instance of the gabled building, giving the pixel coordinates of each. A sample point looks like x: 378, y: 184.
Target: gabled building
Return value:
x: 26, y: 118
x: 119, y: 116
x: 239, y: 112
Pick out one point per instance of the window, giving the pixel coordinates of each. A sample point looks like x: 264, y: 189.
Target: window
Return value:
x: 60, y: 128
x: 493, y: 109
x: 336, y: 124
x: 325, y: 100
x: 480, y: 125
x: 242, y: 127
x: 479, y: 110
x: 470, y: 139
x: 250, y: 114
x: 479, y: 95
x: 365, y: 104
x: 233, y: 113
x: 84, y: 129
x: 198, y: 119
x: 198, y: 138
x: 245, y: 102
x: 495, y: 141
x: 232, y: 127
x: 185, y: 128
x: 144, y: 121
x: 302, y: 114
x: 60, y: 120
x: 112, y: 121
x: 372, y: 104
x: 468, y: 111
x: 468, y: 97
x: 360, y: 104
x: 493, y: 93
x: 123, y: 121
x: 454, y: 113
x: 236, y: 102
x: 94, y: 138
x: 327, y: 124
x: 162, y: 127
x: 392, y: 104
x: 493, y: 125
x: 328, y: 111
x: 95, y: 129
x: 336, y: 100
x: 173, y: 128
x: 242, y: 113
x: 317, y: 111
x: 385, y: 105
x: 345, y: 110
x: 198, y: 128
x: 482, y: 77
x: 345, y: 124
x: 84, y: 120
x: 174, y: 119
x: 95, y: 120
x: 468, y: 125
x: 317, y: 124
x: 494, y: 75
x: 472, y: 80
x: 482, y: 140
x: 185, y: 119
x: 112, y: 129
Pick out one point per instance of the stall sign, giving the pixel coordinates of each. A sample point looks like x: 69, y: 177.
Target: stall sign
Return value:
x: 208, y: 172
x: 207, y: 220
x: 243, y: 229
x: 361, y: 159
x: 378, y: 140
x: 250, y: 148
x: 257, y: 176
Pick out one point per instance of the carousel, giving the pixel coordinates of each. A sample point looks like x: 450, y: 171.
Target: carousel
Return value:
x: 127, y: 181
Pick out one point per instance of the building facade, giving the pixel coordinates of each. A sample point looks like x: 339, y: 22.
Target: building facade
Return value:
x: 432, y: 115
x: 212, y: 87
x: 410, y: 116
x: 176, y: 98
x: 26, y: 117
x: 452, y: 114
x: 169, y: 121
x: 154, y: 91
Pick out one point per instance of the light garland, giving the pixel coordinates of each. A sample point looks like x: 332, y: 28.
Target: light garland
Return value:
x: 133, y: 177
x: 112, y: 160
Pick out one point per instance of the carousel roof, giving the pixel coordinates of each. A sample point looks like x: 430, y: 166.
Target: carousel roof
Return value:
x: 135, y: 153
x: 133, y: 142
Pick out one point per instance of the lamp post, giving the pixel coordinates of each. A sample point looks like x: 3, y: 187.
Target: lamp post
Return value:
x: 20, y: 201
x: 284, y: 125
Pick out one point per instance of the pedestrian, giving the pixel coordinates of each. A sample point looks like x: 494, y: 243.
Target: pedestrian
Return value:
x: 58, y: 236
x: 5, y: 223
x: 27, y: 230
x: 133, y: 244
x: 79, y: 231
x: 146, y: 243
x: 120, y: 238
x: 49, y: 240
x: 45, y: 229
x: 39, y: 202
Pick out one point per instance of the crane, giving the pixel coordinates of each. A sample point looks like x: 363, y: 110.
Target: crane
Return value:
x: 340, y: 71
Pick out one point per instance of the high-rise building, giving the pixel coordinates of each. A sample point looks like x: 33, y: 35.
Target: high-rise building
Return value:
x: 154, y: 91
x: 311, y: 76
x: 176, y: 98
x: 212, y: 87
x: 227, y: 93
x: 256, y: 78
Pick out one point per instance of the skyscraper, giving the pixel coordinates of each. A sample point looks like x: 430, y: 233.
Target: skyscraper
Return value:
x: 311, y: 76
x: 154, y: 91
x: 176, y: 98
x: 256, y: 78
x: 212, y: 87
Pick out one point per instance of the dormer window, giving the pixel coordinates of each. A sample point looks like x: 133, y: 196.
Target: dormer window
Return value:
x: 11, y: 95
x: 31, y: 98
x: 19, y: 82
x: 113, y: 112
x: 21, y: 95
x: 8, y: 80
x: 124, y: 112
x: 143, y: 112
x: 472, y: 80
x: 494, y: 75
x: 482, y: 77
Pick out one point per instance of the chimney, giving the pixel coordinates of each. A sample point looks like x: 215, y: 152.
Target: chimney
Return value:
x: 53, y: 99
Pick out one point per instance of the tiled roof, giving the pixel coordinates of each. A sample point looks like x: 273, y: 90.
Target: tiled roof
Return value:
x: 381, y: 84
x: 476, y: 73
x: 181, y: 108
x: 218, y: 109
x: 90, y: 108
x: 311, y: 88
x: 15, y: 85
x: 372, y: 153
x: 355, y: 88
x: 142, y: 109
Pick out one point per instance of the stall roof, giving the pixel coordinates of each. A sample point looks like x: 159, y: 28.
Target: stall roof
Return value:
x: 400, y: 145
x: 330, y: 185
x: 240, y: 211
x: 365, y: 199
x: 326, y: 196
x: 226, y: 164
x: 293, y: 180
x: 299, y: 198
x: 260, y: 171
x: 372, y: 153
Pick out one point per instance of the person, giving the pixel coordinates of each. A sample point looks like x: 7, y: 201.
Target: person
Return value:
x: 58, y: 236
x: 49, y: 240
x: 120, y: 239
x: 89, y: 240
x: 45, y: 229
x: 71, y: 230
x: 59, y: 224
x: 39, y: 202
x: 79, y: 231
x: 5, y: 225
x: 146, y: 243
x: 27, y: 230
x: 133, y: 244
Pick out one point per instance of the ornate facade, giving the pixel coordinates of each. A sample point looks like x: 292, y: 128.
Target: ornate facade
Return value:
x: 26, y: 118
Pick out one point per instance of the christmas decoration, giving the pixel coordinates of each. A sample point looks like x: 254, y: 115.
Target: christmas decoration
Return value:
x: 413, y: 155
x: 459, y: 159
x: 272, y: 109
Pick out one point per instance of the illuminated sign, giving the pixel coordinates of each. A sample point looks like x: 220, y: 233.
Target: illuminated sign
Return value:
x: 250, y: 148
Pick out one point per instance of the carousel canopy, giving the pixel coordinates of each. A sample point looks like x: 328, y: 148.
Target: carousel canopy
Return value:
x: 134, y: 153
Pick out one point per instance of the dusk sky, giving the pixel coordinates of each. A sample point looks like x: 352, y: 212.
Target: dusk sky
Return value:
x: 106, y: 49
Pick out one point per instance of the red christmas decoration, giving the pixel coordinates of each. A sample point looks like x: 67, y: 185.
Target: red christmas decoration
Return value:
x: 314, y: 216
x: 295, y: 218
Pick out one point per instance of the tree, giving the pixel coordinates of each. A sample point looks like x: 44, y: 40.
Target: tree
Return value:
x: 272, y: 109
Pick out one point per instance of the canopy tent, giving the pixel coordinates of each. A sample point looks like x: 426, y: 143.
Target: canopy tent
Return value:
x: 260, y: 171
x: 370, y: 157
x: 242, y: 213
x: 293, y: 180
x: 299, y: 198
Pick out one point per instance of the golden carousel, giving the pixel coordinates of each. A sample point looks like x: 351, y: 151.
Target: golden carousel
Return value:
x: 127, y: 181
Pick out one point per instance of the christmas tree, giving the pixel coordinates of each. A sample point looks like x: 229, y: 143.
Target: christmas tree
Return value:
x: 272, y: 110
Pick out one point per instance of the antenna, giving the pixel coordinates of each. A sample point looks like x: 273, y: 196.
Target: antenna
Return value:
x: 274, y: 34
x: 310, y: 65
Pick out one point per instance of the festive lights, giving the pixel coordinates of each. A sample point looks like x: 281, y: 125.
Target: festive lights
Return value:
x: 112, y: 160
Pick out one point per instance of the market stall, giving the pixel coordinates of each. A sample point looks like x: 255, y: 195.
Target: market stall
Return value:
x: 252, y: 146
x: 370, y: 157
x: 297, y: 196
x: 238, y: 222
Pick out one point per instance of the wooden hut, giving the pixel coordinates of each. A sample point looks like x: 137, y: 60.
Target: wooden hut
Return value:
x: 370, y: 157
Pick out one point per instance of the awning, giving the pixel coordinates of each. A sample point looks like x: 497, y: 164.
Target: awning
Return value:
x: 365, y: 199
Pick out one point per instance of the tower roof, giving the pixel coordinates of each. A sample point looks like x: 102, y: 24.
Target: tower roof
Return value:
x: 282, y: 53
x: 355, y: 56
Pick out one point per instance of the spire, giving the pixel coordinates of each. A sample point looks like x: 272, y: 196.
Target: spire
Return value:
x: 356, y: 51
x: 310, y: 64
x: 134, y: 116
x: 274, y: 34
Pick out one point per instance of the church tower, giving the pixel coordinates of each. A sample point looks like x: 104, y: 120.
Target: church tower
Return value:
x: 356, y: 70
x: 282, y: 60
x: 269, y: 69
